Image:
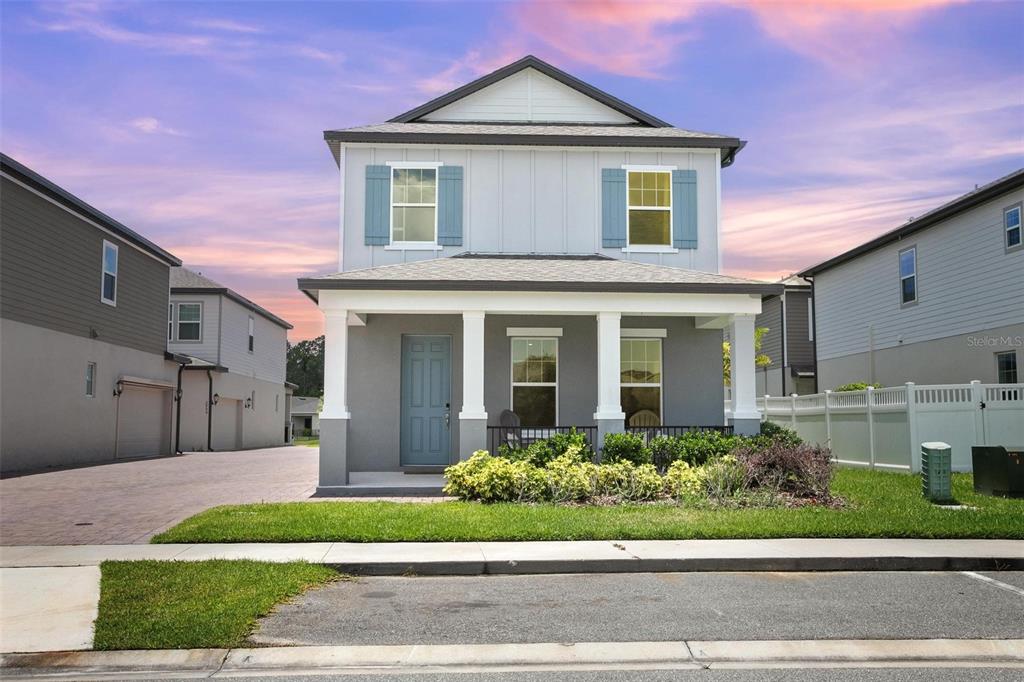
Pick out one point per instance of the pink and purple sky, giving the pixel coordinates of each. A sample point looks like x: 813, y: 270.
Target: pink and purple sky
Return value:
x: 200, y: 124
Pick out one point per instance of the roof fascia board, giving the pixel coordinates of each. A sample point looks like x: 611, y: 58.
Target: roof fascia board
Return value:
x: 370, y: 137
x: 548, y: 70
x: 237, y: 298
x: 527, y: 286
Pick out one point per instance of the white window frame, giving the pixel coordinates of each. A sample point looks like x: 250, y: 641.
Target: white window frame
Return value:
x: 176, y: 321
x: 917, y: 282
x: 251, y: 341
x: 650, y: 248
x: 1019, y: 208
x: 1016, y: 364
x: 104, y: 272
x: 661, y: 374
x: 511, y: 374
x: 411, y: 245
x: 90, y: 380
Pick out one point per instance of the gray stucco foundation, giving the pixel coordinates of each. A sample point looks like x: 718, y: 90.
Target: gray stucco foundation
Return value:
x: 746, y: 427
x: 472, y: 437
x: 334, y: 465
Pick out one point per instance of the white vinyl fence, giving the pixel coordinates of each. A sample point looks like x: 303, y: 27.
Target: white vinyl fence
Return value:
x: 884, y: 428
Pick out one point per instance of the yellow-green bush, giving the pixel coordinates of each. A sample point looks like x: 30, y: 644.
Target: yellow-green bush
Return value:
x: 494, y: 479
x: 629, y: 481
x: 683, y: 481
x: 570, y: 480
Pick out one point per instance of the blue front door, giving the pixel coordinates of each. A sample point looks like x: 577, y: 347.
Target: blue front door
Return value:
x: 426, y: 400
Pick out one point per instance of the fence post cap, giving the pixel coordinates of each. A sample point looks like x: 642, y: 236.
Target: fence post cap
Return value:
x: 909, y: 383
x: 975, y: 381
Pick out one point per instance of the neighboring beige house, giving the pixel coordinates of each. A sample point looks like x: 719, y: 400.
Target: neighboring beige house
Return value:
x: 789, y: 341
x: 237, y: 352
x: 82, y: 317
x: 305, y: 416
x: 938, y: 300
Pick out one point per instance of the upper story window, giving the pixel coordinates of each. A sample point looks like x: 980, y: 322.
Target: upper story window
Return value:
x: 908, y: 276
x: 90, y: 379
x: 252, y: 334
x: 649, y: 208
x: 535, y: 380
x: 108, y: 286
x: 640, y: 381
x: 413, y: 205
x: 190, y: 321
x: 810, y: 319
x: 1012, y: 226
x: 1006, y: 367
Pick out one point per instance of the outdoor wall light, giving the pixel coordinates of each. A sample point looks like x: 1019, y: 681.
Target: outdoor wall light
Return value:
x: 216, y: 398
x: 118, y: 388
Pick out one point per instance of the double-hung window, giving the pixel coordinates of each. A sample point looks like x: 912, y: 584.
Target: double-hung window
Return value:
x: 108, y: 283
x: 252, y: 334
x: 190, y: 322
x: 90, y: 379
x: 413, y: 206
x: 1006, y: 367
x: 908, y: 275
x: 640, y: 381
x: 535, y: 381
x: 649, y: 208
x: 1012, y: 227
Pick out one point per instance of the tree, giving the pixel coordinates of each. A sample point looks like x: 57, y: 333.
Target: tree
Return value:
x: 306, y: 366
x: 760, y: 359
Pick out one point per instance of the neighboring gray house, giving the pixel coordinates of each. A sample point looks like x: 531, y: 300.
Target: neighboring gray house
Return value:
x: 82, y: 318
x: 237, y: 352
x: 525, y: 251
x: 305, y: 416
x: 938, y: 300
x: 789, y: 341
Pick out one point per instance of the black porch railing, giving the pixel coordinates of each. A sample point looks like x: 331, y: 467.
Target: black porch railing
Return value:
x: 523, y: 436
x: 653, y: 431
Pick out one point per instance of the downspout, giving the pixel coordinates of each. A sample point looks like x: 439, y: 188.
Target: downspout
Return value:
x: 209, y: 413
x: 785, y: 354
x: 177, y: 417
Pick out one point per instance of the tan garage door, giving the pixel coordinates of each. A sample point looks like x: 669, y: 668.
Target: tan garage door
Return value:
x: 143, y: 428
x: 227, y: 425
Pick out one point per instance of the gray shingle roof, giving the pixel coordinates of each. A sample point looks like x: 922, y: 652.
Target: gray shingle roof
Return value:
x: 301, y: 405
x: 185, y: 281
x: 553, y: 129
x: 484, y: 272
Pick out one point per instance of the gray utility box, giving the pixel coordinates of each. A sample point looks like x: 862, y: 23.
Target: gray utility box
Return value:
x: 936, y: 468
x: 998, y: 470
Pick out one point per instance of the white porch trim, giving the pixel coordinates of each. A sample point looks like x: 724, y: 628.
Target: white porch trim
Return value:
x: 741, y: 338
x: 609, y: 400
x: 473, y: 369
x: 335, y: 365
x: 533, y: 331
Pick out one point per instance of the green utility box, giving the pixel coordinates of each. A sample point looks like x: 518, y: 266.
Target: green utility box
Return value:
x: 998, y: 470
x: 936, y: 469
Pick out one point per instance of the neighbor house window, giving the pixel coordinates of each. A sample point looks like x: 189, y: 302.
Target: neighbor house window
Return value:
x: 108, y: 287
x: 810, y: 319
x: 90, y: 379
x: 640, y: 381
x: 650, y: 208
x: 414, y: 205
x: 535, y: 381
x: 1012, y: 226
x: 170, y: 322
x: 1006, y: 367
x: 189, y: 323
x: 908, y: 275
x: 252, y: 334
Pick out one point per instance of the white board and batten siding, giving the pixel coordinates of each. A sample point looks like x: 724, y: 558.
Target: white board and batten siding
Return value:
x: 531, y: 200
x: 966, y: 283
x: 528, y: 95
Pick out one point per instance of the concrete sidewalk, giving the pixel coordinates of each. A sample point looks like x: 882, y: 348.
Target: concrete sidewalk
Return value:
x: 522, y: 657
x: 598, y: 556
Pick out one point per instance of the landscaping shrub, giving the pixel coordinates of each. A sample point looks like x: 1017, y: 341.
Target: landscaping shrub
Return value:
x: 665, y: 450
x: 723, y: 477
x: 800, y: 470
x: 570, y: 480
x: 625, y: 447
x: 697, y: 447
x: 629, y: 481
x: 494, y: 479
x: 776, y: 433
x: 542, y: 451
x: 855, y: 386
x: 683, y: 481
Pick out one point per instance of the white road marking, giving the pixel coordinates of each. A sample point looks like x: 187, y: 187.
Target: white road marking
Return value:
x: 994, y: 582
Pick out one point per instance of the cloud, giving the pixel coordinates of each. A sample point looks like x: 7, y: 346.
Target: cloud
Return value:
x: 227, y: 25
x: 153, y: 126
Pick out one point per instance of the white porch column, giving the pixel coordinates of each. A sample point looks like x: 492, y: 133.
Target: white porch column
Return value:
x: 473, y: 417
x: 745, y: 417
x: 609, y: 415
x: 335, y: 416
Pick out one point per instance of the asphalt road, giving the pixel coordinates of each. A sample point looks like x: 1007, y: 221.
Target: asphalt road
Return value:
x: 787, y: 675
x: 651, y: 607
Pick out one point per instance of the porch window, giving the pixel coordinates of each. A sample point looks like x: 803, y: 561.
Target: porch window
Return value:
x: 650, y: 208
x: 413, y: 205
x: 1006, y: 367
x: 908, y: 276
x: 640, y: 381
x: 535, y: 381
x: 1012, y: 225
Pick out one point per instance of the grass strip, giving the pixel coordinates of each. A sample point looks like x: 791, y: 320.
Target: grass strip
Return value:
x: 193, y: 604
x: 880, y: 505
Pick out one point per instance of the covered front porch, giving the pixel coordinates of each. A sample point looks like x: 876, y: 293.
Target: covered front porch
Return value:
x: 417, y: 378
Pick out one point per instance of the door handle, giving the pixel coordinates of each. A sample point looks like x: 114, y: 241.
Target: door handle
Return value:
x: 448, y: 415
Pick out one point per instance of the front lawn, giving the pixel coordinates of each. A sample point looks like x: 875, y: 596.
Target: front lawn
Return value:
x: 879, y: 504
x: 193, y: 604
x: 308, y: 441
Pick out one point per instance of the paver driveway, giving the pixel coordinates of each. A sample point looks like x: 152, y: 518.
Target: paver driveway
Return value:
x: 126, y: 502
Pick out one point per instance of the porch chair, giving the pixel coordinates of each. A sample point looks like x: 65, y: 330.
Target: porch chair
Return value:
x: 509, y: 420
x: 644, y: 418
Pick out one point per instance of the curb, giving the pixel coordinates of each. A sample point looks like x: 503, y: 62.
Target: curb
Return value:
x: 494, y: 657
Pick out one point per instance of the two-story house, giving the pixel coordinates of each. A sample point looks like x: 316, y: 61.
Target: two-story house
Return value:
x: 83, y: 300
x: 233, y: 387
x: 525, y: 251
x: 938, y: 300
x: 788, y: 319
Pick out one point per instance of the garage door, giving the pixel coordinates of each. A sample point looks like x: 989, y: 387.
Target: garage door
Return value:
x: 144, y: 417
x: 227, y: 424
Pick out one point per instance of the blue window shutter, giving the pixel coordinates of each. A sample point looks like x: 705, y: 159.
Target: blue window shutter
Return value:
x: 684, y: 209
x: 449, y: 206
x: 613, y: 207
x: 377, y: 225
